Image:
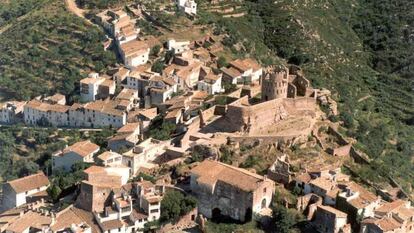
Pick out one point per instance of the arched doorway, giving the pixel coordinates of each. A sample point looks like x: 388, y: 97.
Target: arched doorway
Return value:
x: 248, y: 215
x: 263, y: 203
x: 216, y: 215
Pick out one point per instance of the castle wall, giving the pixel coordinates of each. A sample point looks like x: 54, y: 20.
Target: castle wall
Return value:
x: 260, y: 116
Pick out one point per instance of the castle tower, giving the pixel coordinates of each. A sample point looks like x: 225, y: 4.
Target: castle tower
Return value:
x: 275, y: 84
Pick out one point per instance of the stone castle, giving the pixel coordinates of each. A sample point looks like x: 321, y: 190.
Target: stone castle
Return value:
x: 283, y: 95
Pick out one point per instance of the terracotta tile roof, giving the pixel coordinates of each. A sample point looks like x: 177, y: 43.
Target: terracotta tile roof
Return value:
x: 46, y: 107
x: 108, y: 155
x: 29, y: 182
x: 332, y: 210
x: 232, y: 72
x: 245, y: 64
x: 305, y: 178
x: 240, y: 65
x: 365, y: 197
x: 56, y: 97
x: 83, y: 148
x: 129, y: 128
x: 210, y: 172
x: 112, y: 224
x: 65, y: 218
x: 150, y: 113
x: 29, y: 220
x: 122, y: 71
x: 406, y: 213
x: 134, y: 47
x: 323, y: 183
x: 88, y: 217
x: 153, y: 198
x: 211, y: 78
x: 94, y: 169
x: 136, y: 215
x: 391, y: 206
x: 127, y: 94
x: 108, y: 83
x: 105, y: 106
x: 388, y: 224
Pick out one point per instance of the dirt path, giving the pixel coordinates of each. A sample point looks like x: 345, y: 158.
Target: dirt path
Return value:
x: 72, y: 7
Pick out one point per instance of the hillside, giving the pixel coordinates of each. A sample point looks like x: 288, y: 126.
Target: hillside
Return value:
x: 334, y: 41
x: 359, y: 49
x: 46, y: 49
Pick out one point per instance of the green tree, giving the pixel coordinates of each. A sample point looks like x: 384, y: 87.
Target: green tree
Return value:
x: 54, y: 192
x: 158, y: 67
x: 175, y: 204
x: 221, y: 62
x: 155, y: 50
x: 283, y: 219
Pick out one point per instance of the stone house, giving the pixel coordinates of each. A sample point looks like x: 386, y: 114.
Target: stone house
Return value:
x: 279, y: 83
x: 134, y: 53
x: 11, y: 112
x: 96, y: 87
x: 330, y: 220
x: 224, y: 190
x: 126, y: 137
x: 279, y: 171
x: 83, y: 151
x: 18, y: 192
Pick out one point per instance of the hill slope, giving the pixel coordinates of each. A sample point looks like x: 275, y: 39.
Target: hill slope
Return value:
x: 359, y: 49
x: 47, y: 49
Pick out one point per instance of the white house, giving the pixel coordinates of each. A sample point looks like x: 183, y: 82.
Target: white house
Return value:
x: 16, y: 192
x: 143, y: 154
x: 79, y: 152
x: 188, y: 6
x: 161, y: 89
x: 210, y: 84
x: 10, y: 112
x: 100, y: 113
x: 126, y: 137
x: 134, y: 53
x: 242, y: 71
x: 178, y: 46
x: 110, y: 158
x: 94, y: 87
x: 36, y: 111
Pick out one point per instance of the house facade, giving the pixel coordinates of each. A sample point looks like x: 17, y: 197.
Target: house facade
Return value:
x: 16, y: 192
x: 224, y: 190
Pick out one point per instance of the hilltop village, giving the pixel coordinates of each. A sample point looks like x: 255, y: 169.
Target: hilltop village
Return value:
x: 187, y: 128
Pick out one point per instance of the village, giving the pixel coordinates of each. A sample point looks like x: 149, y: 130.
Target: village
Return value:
x: 175, y: 106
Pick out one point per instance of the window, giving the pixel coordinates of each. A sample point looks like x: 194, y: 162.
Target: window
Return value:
x: 264, y: 190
